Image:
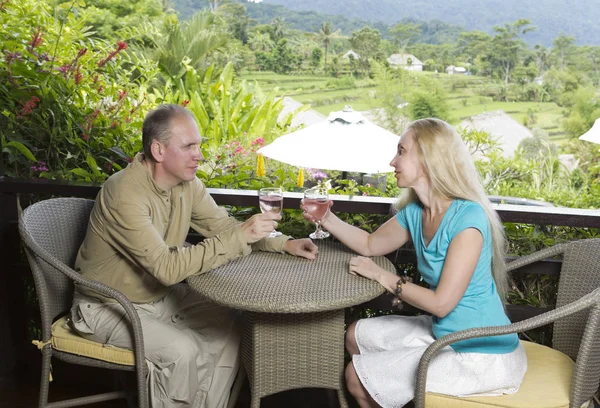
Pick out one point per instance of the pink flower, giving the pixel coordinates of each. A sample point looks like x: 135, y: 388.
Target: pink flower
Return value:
x: 40, y: 166
x: 258, y: 141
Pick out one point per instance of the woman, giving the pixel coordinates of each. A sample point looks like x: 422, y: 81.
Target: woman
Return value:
x: 459, y: 243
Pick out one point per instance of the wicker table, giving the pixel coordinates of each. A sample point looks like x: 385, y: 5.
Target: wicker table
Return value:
x: 294, y: 319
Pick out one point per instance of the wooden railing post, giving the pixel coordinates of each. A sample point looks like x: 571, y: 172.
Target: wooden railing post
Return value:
x: 13, y: 324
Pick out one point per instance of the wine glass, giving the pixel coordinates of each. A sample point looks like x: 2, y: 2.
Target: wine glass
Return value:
x: 271, y: 199
x: 316, y: 203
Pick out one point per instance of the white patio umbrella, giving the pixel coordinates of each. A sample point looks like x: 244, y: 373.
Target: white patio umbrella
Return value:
x: 345, y: 141
x: 592, y: 135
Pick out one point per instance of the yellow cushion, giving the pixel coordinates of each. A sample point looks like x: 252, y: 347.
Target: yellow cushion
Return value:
x: 65, y: 339
x: 547, y: 384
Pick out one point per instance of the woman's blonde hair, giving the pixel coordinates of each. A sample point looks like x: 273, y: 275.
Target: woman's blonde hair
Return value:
x: 452, y: 174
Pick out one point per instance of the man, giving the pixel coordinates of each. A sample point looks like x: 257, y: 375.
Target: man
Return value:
x: 135, y: 244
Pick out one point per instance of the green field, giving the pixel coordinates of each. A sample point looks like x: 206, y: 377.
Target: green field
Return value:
x: 465, y: 98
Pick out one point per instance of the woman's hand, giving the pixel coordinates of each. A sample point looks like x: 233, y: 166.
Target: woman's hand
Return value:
x: 363, y: 266
x: 308, y: 209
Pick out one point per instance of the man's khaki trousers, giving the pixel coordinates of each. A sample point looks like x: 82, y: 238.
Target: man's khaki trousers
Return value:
x: 191, y: 344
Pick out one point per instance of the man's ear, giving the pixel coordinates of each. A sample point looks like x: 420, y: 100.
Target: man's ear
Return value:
x: 157, y: 150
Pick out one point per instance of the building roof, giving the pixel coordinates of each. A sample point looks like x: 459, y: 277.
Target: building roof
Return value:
x: 351, y: 52
x: 501, y: 127
x: 402, y: 59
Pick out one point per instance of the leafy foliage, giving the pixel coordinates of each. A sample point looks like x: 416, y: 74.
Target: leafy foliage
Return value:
x: 71, y: 106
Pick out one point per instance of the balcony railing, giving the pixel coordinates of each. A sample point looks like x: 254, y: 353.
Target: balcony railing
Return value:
x: 13, y: 326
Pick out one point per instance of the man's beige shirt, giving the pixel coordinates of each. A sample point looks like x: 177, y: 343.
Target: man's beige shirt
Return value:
x: 134, y: 241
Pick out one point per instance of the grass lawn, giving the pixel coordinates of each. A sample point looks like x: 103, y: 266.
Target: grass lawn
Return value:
x: 464, y: 96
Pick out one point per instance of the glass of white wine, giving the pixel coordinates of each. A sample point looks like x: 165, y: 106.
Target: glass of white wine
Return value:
x: 271, y: 200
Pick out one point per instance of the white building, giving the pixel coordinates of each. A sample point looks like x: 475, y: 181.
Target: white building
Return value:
x: 349, y: 53
x: 451, y: 69
x: 406, y: 61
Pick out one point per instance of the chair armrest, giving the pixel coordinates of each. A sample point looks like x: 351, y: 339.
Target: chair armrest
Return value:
x: 38, y: 251
x: 585, y: 302
x: 536, y: 256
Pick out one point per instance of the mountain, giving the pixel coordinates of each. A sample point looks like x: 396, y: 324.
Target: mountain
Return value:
x: 577, y: 18
x: 432, y: 32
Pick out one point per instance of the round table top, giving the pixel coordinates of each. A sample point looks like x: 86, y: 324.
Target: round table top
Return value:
x: 274, y: 283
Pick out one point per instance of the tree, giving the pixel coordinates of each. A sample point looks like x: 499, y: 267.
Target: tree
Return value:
x: 315, y: 58
x: 237, y: 20
x: 473, y: 44
x: 563, y: 46
x: 540, y: 57
x: 326, y: 35
x: 507, y: 46
x: 283, y: 57
x: 366, y: 43
x: 404, y: 33
x: 187, y: 43
x: 304, y: 45
x: 278, y: 28
x: 215, y: 4
x: 260, y: 42
x: 107, y: 17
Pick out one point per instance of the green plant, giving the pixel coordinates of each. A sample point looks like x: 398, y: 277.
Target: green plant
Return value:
x: 71, y: 107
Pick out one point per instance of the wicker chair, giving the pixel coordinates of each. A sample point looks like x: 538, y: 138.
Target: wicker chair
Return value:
x: 552, y: 379
x: 51, y: 232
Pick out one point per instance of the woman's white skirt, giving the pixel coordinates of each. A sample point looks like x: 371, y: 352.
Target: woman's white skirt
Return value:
x: 390, y: 350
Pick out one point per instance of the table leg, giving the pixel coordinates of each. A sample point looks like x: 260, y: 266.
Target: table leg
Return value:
x: 287, y: 351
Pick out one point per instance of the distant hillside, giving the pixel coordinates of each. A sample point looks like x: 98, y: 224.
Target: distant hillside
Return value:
x: 578, y: 18
x: 432, y: 32
x: 309, y: 21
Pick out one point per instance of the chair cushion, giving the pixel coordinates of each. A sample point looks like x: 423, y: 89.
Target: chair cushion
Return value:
x: 547, y: 384
x: 66, y: 340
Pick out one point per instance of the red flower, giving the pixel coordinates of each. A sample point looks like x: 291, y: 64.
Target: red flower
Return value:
x: 85, y: 136
x: 28, y: 107
x: 36, y: 38
x: 121, y: 45
x: 64, y: 69
x: 122, y: 95
x: 185, y: 103
x: 78, y: 76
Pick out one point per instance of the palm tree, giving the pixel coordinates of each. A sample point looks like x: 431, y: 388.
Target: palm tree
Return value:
x: 325, y: 36
x: 278, y: 28
x: 260, y: 42
x: 188, y: 42
x: 304, y: 45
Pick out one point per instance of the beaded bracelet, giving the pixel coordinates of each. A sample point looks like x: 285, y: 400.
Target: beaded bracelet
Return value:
x: 397, y: 302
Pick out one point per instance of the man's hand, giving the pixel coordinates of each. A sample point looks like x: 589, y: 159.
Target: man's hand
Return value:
x: 259, y: 226
x: 301, y: 247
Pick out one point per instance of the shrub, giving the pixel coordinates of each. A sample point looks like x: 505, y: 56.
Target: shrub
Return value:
x: 71, y: 107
